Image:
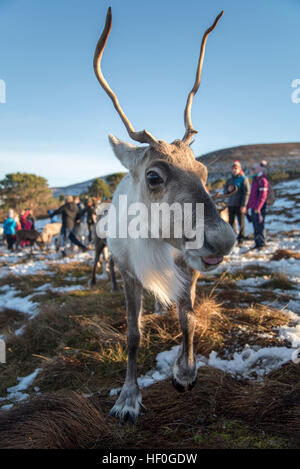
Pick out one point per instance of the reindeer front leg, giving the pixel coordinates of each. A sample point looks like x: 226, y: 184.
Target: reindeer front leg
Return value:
x: 99, y: 245
x: 184, y: 369
x: 129, y: 402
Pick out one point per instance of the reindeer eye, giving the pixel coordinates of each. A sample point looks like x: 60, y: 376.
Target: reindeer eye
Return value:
x: 154, y: 179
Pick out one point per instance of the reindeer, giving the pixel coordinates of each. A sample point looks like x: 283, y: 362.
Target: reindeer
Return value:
x: 101, y: 248
x: 161, y: 172
x: 33, y: 236
x: 221, y: 205
x: 49, y: 231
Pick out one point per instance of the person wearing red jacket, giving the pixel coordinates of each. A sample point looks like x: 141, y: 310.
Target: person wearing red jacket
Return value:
x: 27, y: 223
x: 257, y: 203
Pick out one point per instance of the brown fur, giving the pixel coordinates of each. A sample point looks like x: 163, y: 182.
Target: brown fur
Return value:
x: 49, y: 231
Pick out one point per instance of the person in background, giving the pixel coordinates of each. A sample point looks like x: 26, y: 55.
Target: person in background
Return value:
x: 81, y: 209
x: 27, y: 223
x: 69, y: 212
x: 31, y: 219
x: 257, y: 203
x: 27, y: 219
x: 18, y: 227
x: 9, y: 229
x: 91, y: 217
x: 21, y: 218
x: 79, y: 222
x: 237, y: 202
x: 53, y: 219
x: 17, y: 220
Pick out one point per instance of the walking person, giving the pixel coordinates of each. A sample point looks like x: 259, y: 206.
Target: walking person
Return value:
x: 237, y: 202
x: 91, y: 217
x: 69, y: 212
x: 9, y: 229
x: 257, y: 203
x: 79, y: 229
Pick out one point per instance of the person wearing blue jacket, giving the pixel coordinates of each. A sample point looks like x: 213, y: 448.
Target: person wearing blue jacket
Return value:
x: 9, y: 229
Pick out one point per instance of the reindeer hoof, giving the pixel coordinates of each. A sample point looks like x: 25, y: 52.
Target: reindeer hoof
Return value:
x: 127, y: 407
x: 178, y: 386
x: 126, y: 417
x: 181, y: 388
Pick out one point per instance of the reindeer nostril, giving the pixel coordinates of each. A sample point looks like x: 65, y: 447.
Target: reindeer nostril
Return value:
x: 220, y: 239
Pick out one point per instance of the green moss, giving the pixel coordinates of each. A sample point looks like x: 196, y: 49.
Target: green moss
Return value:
x: 234, y: 434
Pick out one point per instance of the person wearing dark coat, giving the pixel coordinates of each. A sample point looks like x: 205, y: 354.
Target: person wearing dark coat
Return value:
x: 91, y: 217
x: 79, y: 218
x: 69, y: 212
x: 237, y: 202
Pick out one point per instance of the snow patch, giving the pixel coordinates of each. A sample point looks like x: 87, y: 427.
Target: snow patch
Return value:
x: 10, y: 300
x: 15, y: 393
x: 252, y: 363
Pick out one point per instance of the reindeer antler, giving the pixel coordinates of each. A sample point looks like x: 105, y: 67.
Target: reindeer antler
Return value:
x: 142, y: 136
x: 190, y: 131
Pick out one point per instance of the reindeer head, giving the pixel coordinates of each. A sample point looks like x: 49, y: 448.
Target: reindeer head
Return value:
x: 169, y: 173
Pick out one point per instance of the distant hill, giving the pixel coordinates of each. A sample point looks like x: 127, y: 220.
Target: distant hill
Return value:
x: 76, y: 189
x: 73, y: 189
x: 280, y: 156
x: 284, y: 156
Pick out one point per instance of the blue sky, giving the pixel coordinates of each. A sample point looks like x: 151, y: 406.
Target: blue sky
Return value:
x: 56, y: 117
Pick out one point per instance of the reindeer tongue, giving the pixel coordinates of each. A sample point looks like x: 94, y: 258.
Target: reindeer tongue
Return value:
x: 212, y: 260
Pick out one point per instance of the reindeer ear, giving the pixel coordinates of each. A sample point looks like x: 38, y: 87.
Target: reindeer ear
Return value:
x: 202, y: 173
x: 128, y: 154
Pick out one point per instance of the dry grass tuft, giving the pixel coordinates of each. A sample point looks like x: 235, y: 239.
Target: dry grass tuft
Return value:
x: 207, y: 311
x: 79, y: 341
x: 211, y: 324
x: 54, y: 422
x: 279, y: 281
x: 284, y: 254
x: 10, y: 320
x: 160, y: 328
x: 101, y: 330
x: 165, y: 327
x: 259, y: 316
x: 273, y: 405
